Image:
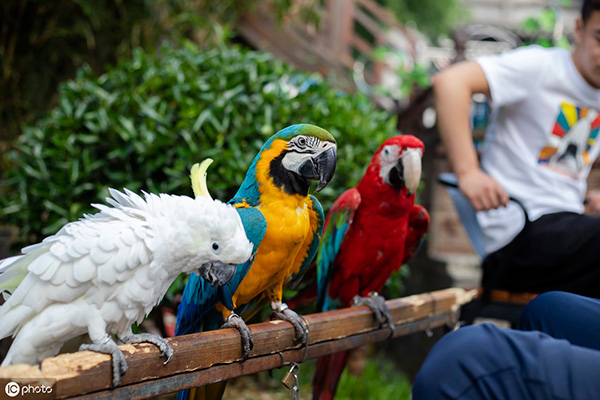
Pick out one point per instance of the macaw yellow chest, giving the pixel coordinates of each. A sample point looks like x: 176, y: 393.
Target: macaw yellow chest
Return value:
x: 282, y: 250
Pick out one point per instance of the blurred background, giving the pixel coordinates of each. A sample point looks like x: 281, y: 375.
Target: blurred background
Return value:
x: 114, y: 93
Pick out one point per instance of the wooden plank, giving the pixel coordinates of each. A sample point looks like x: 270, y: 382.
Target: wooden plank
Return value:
x: 368, y: 23
x: 361, y: 45
x: 339, y: 25
x: 329, y: 49
x: 253, y: 365
x: 448, y: 239
x: 86, y: 372
x: 381, y: 13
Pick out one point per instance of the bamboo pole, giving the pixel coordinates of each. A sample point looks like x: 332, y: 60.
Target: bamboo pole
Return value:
x: 209, y: 357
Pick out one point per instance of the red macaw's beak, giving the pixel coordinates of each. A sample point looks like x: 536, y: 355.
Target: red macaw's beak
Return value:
x: 407, y: 171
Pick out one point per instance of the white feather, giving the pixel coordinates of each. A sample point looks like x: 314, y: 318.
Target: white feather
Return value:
x: 84, y: 269
x: 109, y: 269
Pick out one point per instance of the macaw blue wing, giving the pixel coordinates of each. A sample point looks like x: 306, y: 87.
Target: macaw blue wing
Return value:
x: 199, y: 297
x: 255, y: 226
x: 337, y: 224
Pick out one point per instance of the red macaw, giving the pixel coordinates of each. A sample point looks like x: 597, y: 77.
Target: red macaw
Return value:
x: 370, y: 231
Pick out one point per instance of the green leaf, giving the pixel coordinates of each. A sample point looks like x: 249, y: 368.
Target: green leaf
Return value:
x: 200, y: 120
x: 143, y: 123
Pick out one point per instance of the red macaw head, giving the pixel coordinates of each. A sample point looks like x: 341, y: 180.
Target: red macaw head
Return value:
x: 397, y: 164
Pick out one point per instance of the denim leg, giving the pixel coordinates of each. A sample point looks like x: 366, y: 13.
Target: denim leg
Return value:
x: 485, y: 362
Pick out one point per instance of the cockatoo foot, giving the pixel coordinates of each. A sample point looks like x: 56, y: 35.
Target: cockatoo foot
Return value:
x: 108, y: 346
x: 377, y: 304
x: 281, y: 311
x: 164, y: 346
x: 235, y: 321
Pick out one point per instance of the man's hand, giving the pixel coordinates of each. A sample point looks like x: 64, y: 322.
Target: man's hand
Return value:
x: 592, y: 199
x: 483, y: 191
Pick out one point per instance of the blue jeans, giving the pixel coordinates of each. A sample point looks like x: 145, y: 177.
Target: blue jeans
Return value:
x: 555, y: 354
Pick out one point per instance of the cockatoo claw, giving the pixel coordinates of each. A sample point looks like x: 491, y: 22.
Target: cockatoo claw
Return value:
x: 119, y: 365
x: 164, y: 346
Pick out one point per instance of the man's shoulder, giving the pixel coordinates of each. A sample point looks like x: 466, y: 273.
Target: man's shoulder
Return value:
x: 533, y: 53
x: 538, y: 50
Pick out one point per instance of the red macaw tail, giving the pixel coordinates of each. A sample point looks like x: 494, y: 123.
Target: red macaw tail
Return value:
x: 327, y: 375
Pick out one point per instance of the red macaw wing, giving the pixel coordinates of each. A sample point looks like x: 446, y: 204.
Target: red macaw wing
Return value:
x: 417, y: 227
x: 338, y: 222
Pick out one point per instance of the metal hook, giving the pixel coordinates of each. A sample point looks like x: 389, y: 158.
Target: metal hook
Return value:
x: 307, y: 331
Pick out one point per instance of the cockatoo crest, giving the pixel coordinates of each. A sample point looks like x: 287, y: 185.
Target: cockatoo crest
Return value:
x: 198, y: 177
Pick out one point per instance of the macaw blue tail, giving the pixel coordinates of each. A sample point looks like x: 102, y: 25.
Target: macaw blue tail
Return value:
x: 214, y: 391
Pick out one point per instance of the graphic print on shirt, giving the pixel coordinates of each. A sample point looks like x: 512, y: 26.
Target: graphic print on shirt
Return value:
x: 573, y: 135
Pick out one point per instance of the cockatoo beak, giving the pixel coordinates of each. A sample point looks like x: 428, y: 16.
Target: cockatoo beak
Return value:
x: 217, y: 273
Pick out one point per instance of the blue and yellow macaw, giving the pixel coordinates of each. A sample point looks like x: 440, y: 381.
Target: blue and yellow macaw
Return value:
x: 275, y: 195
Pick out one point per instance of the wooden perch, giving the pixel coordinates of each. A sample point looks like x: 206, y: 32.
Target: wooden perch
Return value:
x: 208, y: 357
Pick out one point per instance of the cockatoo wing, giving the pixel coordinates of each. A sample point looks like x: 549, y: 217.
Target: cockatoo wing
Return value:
x: 84, y: 258
x: 12, y: 272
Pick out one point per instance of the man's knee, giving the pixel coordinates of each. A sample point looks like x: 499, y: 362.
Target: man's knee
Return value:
x: 454, y: 362
x: 540, y: 308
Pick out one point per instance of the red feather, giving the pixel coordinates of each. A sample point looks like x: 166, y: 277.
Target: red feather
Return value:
x: 384, y: 230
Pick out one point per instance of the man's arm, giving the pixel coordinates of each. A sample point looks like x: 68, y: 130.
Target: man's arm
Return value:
x: 453, y: 89
x: 592, y: 202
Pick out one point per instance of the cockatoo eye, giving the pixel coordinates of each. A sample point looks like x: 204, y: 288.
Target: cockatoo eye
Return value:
x: 216, y: 247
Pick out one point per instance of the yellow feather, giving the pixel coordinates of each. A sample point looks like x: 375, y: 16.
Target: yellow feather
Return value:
x: 291, y: 225
x: 198, y: 177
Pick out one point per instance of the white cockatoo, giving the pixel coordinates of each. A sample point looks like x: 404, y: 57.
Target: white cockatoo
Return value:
x: 108, y: 270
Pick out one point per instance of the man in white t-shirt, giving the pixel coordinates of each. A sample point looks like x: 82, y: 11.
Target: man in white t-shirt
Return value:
x: 539, y: 148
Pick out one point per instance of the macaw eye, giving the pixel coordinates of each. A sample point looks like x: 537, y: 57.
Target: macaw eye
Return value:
x: 389, y: 153
x: 216, y: 247
x: 302, y: 141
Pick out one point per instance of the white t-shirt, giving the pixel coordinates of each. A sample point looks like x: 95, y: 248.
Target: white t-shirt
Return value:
x: 541, y: 140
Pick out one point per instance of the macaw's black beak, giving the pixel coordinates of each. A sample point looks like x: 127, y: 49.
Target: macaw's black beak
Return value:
x: 321, y: 167
x: 407, y: 171
x: 396, y: 176
x: 217, y: 273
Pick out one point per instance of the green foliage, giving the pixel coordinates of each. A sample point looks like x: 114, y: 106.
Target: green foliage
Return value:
x: 432, y: 17
x: 142, y: 124
x: 541, y: 29
x: 379, y: 381
x: 411, y: 75
x: 394, y: 286
x: 43, y: 43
